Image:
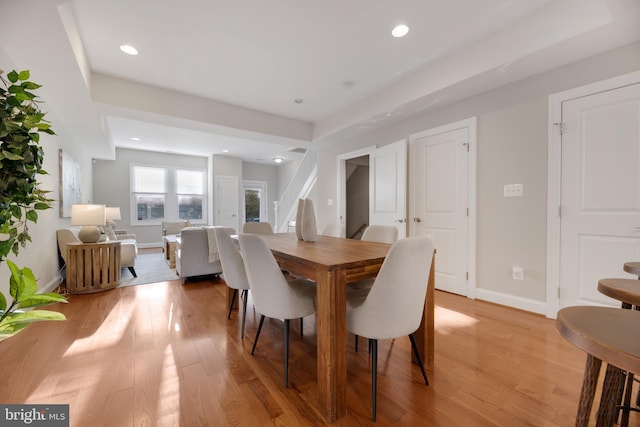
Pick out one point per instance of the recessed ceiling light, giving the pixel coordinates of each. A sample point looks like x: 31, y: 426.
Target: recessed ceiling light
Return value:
x: 128, y: 49
x: 225, y: 151
x: 400, y: 31
x: 135, y: 138
x: 278, y: 159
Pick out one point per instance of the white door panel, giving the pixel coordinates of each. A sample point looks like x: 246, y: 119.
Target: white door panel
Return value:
x: 439, y: 170
x: 227, y: 201
x: 388, y: 177
x: 600, y: 192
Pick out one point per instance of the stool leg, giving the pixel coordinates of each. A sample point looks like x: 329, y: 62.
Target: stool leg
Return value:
x: 626, y: 404
x: 610, y: 390
x: 591, y: 372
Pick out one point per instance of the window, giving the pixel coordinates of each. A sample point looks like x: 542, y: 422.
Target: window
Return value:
x: 149, y: 192
x: 160, y: 193
x: 190, y: 192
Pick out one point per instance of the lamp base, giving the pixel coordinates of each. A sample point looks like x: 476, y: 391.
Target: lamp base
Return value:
x: 89, y: 234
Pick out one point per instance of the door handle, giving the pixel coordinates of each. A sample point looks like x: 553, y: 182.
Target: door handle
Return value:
x: 417, y: 219
x: 401, y: 220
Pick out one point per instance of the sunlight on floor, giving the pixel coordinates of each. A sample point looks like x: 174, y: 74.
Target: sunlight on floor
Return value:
x: 447, y: 321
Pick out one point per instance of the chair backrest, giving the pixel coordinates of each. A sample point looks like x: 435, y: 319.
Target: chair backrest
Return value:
x: 257, y: 228
x: 270, y: 291
x: 231, y: 260
x: 333, y: 230
x: 174, y: 227
x: 380, y: 233
x: 394, y: 305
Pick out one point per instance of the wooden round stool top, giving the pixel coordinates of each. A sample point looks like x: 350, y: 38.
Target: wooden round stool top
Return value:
x: 632, y: 267
x: 610, y: 334
x: 624, y: 290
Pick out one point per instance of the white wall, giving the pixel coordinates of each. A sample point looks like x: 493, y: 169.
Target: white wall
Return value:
x: 41, y: 254
x: 512, y: 148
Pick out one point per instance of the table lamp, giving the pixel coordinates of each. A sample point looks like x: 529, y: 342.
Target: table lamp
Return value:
x: 89, y: 217
x: 113, y: 213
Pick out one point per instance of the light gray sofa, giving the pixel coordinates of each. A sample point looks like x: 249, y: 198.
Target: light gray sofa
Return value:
x: 128, y: 246
x: 192, y: 255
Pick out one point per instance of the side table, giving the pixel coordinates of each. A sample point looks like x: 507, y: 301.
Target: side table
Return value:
x: 93, y: 267
x: 169, y: 247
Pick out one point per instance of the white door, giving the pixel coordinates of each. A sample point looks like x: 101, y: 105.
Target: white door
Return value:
x: 600, y: 192
x: 388, y: 186
x: 439, y: 201
x: 227, y: 205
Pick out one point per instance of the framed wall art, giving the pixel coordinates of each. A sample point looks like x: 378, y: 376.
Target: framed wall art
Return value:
x: 69, y: 183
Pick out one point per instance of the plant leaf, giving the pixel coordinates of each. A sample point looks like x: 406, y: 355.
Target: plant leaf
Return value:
x: 15, y: 322
x: 3, y: 302
x: 39, y: 300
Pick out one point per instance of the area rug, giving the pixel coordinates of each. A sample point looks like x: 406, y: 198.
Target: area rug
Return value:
x: 150, y: 268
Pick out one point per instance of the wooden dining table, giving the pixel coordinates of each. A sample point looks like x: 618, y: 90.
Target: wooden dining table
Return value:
x: 333, y: 263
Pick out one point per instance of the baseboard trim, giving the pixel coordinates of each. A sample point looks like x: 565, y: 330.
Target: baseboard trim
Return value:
x: 51, y: 286
x: 525, y: 304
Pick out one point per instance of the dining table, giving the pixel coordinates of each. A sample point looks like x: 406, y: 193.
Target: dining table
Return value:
x: 332, y: 263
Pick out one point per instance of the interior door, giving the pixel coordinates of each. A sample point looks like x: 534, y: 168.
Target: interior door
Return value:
x: 388, y: 186
x: 439, y: 202
x: 227, y: 201
x: 600, y: 192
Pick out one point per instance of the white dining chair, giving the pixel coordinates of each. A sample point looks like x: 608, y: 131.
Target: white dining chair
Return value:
x: 333, y: 230
x: 374, y: 233
x: 233, y: 270
x: 380, y: 233
x: 257, y: 228
x: 394, y: 305
x: 273, y: 296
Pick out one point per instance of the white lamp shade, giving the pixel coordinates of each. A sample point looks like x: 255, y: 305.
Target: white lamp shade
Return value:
x: 87, y: 214
x: 113, y: 213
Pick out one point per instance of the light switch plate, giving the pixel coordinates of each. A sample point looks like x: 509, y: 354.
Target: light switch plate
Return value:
x: 513, y: 190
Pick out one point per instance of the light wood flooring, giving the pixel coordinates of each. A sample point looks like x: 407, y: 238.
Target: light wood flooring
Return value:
x: 166, y: 355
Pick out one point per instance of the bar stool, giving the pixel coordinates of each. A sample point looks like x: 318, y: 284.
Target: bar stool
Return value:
x: 605, y: 334
x: 626, y: 291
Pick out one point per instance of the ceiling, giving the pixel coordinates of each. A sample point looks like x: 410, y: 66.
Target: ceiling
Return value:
x: 216, y: 75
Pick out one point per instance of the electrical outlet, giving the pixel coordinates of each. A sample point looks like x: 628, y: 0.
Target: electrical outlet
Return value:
x: 513, y: 190
x: 329, y: 202
x: 517, y: 273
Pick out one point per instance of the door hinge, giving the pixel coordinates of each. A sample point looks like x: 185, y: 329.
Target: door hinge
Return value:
x: 561, y: 127
x: 467, y: 211
x: 559, y: 211
x: 467, y: 276
x: 558, y: 292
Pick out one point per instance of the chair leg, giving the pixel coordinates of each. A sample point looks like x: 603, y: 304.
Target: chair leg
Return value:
x: 233, y: 298
x: 257, y: 334
x: 133, y: 271
x: 414, y: 345
x: 286, y: 352
x: 301, y: 331
x: 244, y: 309
x: 356, y: 343
x: 373, y: 345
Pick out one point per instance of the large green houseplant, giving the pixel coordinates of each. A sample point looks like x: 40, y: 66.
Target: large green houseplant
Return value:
x: 21, y: 159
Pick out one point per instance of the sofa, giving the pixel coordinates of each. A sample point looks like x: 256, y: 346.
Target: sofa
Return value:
x: 128, y: 246
x: 192, y: 254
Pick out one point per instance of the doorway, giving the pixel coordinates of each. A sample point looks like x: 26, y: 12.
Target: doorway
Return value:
x: 255, y: 201
x: 593, y: 190
x: 357, y: 196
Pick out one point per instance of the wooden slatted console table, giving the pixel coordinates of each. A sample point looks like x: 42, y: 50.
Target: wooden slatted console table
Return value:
x: 92, y: 267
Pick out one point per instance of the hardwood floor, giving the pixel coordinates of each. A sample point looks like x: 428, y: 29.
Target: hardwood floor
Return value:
x: 166, y: 355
